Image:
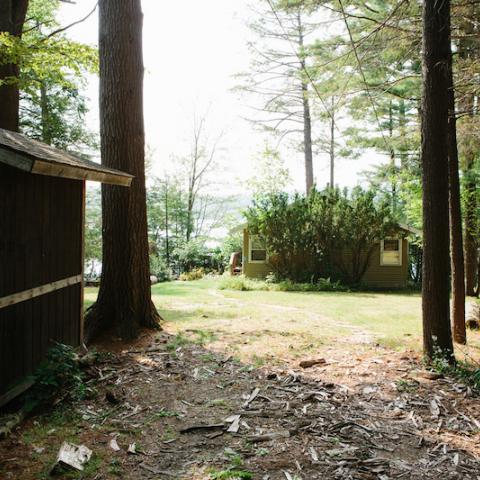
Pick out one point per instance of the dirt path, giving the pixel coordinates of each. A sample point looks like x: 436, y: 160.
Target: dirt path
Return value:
x: 356, y: 417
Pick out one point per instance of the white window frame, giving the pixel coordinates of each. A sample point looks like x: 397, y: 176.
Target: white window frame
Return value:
x: 250, y: 241
x: 400, y: 251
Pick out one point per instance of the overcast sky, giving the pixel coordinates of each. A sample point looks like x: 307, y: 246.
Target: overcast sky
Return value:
x: 192, y: 50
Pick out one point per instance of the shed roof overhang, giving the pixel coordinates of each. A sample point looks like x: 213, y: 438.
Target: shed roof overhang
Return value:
x: 410, y: 229
x: 33, y: 156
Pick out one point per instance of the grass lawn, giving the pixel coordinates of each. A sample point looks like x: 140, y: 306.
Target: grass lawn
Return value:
x: 259, y: 326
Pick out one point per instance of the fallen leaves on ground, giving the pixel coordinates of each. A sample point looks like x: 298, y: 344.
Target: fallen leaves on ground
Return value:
x: 194, y: 414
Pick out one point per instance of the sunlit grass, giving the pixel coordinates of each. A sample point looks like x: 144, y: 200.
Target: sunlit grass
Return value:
x: 268, y: 325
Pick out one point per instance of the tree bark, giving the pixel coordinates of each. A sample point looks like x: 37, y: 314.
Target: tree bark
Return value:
x: 45, y: 115
x: 307, y: 119
x: 456, y: 240
x: 471, y: 225
x: 12, y: 18
x: 190, y: 203
x: 393, y: 168
x: 468, y: 52
x: 332, y: 144
x: 456, y: 237
x: 167, y: 220
x: 402, y: 121
x: 307, y: 139
x: 124, y: 300
x: 437, y: 337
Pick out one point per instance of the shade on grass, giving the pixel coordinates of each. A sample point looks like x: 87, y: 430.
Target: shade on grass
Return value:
x: 288, y: 320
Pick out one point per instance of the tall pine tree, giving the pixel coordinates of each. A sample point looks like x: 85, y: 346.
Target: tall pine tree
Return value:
x: 435, y: 105
x: 12, y: 18
x: 124, y: 300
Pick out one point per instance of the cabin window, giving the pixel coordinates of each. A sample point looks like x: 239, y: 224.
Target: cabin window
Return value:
x: 258, y: 253
x: 391, y: 251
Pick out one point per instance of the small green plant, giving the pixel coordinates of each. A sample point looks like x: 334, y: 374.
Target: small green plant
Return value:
x: 262, y: 452
x: 166, y: 413
x: 60, y: 372
x: 234, y: 471
x: 464, y: 371
x: 168, y: 434
x: 403, y: 385
x: 236, y: 460
x: 218, y: 402
x: 204, y: 337
x: 258, y: 361
x: 208, y: 357
x: 179, y: 340
x: 230, y: 475
x: 246, y: 368
x: 115, y: 467
x: 156, y: 416
x: 195, y: 274
x: 62, y: 419
x: 91, y: 468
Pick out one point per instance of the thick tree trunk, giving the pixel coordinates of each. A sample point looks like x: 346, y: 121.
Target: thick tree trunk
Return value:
x: 167, y: 220
x: 46, y: 134
x: 471, y: 220
x: 456, y: 240
x: 307, y: 119
x: 468, y: 52
x: 124, y: 300
x: 392, y: 161
x: 190, y: 203
x: 332, y: 144
x: 436, y: 259
x: 307, y: 139
x: 402, y: 121
x: 12, y: 18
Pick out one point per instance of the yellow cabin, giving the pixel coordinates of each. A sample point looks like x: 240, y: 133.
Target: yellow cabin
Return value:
x: 388, y: 267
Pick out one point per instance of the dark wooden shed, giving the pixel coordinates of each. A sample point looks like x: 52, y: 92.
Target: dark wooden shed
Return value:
x: 42, y: 208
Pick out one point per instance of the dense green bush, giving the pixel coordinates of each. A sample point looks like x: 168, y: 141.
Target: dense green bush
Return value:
x: 196, y: 254
x: 159, y: 268
x: 329, y: 234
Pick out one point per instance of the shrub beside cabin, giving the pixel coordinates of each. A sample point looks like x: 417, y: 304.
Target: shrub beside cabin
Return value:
x: 388, y: 267
x: 42, y: 208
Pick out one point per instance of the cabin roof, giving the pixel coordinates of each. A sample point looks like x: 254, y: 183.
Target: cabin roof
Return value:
x: 410, y: 229
x: 19, y: 151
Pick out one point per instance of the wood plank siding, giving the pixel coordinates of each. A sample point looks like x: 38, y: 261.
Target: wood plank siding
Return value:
x: 387, y: 276
x: 41, y: 221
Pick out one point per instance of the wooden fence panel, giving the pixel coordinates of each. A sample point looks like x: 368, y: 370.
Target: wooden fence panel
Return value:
x: 41, y: 220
